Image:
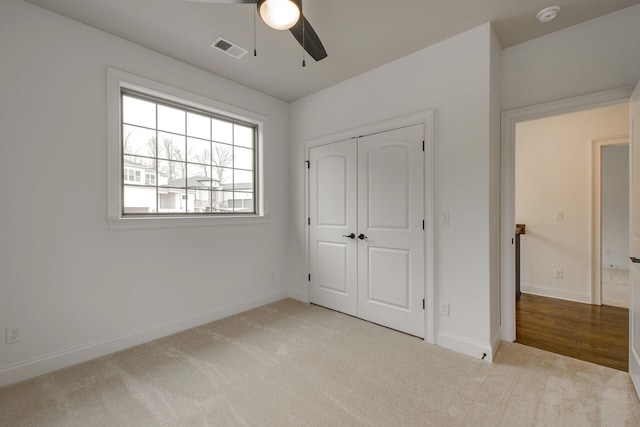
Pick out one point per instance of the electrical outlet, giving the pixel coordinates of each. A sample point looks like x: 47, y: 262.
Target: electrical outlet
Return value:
x: 14, y: 334
x: 444, y: 308
x: 557, y: 273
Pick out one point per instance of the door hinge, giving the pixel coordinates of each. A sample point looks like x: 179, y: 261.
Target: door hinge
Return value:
x: 423, y: 304
x: 512, y: 241
x: 308, y: 164
x: 423, y: 224
x: 308, y: 221
x: 422, y: 145
x: 309, y: 277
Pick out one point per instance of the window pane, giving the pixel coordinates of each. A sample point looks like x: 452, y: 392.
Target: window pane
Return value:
x: 222, y: 155
x: 171, y: 147
x: 221, y: 201
x: 198, y: 126
x: 243, y: 136
x: 171, y: 119
x: 243, y: 202
x: 138, y: 112
x: 138, y: 141
x: 224, y: 176
x: 243, y: 180
x: 139, y: 200
x: 171, y: 174
x: 242, y: 158
x: 172, y: 200
x: 199, y: 176
x: 198, y: 151
x: 221, y: 131
x: 199, y: 201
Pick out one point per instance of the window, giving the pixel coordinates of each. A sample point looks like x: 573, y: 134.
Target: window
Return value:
x: 131, y: 175
x: 200, y: 159
x: 175, y: 158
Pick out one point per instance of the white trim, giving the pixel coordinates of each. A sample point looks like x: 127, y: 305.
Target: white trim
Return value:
x: 151, y: 223
x: 41, y: 365
x: 596, y: 212
x: 496, y: 341
x: 116, y: 80
x: 429, y: 227
x: 543, y: 291
x: 507, y: 193
x: 427, y: 119
x: 634, y: 358
x: 305, y: 295
x: 370, y: 129
x: 463, y: 345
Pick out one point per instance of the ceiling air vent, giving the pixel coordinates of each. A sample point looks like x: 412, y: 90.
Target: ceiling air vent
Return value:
x: 229, y: 48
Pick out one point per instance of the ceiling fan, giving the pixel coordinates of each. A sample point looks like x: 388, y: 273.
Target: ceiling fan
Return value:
x: 285, y: 15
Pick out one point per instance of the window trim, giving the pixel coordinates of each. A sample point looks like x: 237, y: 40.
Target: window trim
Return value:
x: 117, y: 81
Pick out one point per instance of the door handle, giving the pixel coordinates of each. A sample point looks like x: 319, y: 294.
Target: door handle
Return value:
x: 362, y: 236
x: 350, y: 236
x: 634, y: 260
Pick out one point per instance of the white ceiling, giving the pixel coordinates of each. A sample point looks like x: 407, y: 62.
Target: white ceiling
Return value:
x: 359, y: 35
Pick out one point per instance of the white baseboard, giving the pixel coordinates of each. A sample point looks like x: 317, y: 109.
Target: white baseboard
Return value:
x: 51, y: 362
x: 496, y: 340
x: 542, y: 291
x: 298, y: 296
x: 464, y: 345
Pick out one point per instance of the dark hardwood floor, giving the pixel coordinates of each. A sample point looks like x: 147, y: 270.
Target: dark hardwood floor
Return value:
x: 598, y: 334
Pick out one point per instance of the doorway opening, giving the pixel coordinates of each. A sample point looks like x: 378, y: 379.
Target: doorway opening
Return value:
x: 611, y: 214
x: 546, y: 185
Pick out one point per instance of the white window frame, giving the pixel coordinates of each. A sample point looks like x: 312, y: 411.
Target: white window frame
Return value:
x: 118, y: 80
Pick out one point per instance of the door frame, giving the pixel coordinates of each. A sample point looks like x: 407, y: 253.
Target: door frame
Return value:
x: 427, y: 119
x: 507, y: 186
x: 596, y: 212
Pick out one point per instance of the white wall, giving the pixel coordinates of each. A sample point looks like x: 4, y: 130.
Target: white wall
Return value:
x: 553, y: 174
x: 77, y: 289
x: 453, y: 77
x: 615, y: 206
x: 596, y: 55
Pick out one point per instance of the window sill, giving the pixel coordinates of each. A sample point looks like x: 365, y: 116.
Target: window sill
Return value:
x: 138, y: 223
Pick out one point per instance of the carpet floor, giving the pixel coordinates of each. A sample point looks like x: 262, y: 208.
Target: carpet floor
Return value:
x: 293, y: 364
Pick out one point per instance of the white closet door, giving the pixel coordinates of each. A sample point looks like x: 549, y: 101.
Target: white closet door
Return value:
x: 333, y: 215
x: 390, y: 229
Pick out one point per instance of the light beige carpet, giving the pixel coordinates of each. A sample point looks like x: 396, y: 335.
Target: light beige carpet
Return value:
x: 294, y: 364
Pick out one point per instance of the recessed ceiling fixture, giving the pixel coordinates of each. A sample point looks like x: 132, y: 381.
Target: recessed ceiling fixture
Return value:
x: 548, y: 14
x: 284, y: 15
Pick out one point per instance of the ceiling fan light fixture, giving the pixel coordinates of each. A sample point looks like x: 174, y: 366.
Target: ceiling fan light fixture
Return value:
x: 279, y: 14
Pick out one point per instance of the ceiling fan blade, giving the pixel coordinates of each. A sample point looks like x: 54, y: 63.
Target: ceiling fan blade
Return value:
x: 312, y: 43
x: 224, y: 1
